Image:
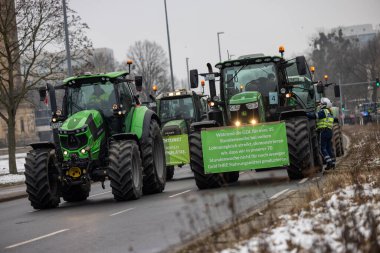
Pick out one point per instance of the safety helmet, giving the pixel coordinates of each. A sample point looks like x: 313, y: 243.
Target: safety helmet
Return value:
x: 325, y: 102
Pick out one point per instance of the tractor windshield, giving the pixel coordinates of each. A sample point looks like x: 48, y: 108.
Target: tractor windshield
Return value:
x: 255, y: 77
x: 98, y: 96
x: 176, y: 108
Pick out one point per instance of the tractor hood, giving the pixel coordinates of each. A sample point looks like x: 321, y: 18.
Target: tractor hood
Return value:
x: 82, y: 134
x: 82, y: 119
x: 175, y: 127
x: 245, y: 97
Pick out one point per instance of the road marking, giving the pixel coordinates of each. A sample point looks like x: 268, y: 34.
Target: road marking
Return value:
x: 124, y: 211
x: 172, y: 196
x: 279, y: 193
x: 99, y: 194
x: 303, y: 180
x: 36, y: 239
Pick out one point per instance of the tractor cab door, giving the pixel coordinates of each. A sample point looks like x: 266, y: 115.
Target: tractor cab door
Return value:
x: 301, y: 84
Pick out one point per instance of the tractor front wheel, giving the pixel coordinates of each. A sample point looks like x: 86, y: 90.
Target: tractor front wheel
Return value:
x: 337, y: 140
x: 153, y: 155
x: 202, y: 180
x: 41, y: 178
x: 169, y: 173
x: 124, y: 171
x: 299, y: 146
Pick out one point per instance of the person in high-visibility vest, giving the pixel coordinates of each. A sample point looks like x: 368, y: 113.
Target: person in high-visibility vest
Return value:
x: 325, y: 121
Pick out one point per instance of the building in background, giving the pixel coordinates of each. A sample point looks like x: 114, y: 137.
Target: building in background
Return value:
x: 361, y: 33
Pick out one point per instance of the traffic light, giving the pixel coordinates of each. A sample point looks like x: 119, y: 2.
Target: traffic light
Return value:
x: 377, y: 82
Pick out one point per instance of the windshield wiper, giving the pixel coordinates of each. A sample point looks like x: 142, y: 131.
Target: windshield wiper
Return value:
x: 237, y: 72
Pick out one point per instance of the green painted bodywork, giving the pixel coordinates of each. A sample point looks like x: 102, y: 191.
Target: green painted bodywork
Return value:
x: 107, y: 75
x: 78, y: 123
x: 180, y: 123
x: 249, y: 97
x: 137, y: 123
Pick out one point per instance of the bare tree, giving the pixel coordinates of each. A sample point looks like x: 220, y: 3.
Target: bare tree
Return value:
x: 31, y: 51
x: 103, y: 60
x: 150, y: 61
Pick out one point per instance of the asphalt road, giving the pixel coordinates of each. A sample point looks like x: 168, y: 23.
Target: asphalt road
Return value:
x: 150, y: 224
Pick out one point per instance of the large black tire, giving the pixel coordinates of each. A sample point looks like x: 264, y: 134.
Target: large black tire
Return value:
x: 337, y: 140
x: 299, y: 146
x: 318, y: 161
x: 41, y: 178
x: 153, y: 156
x: 231, y: 177
x: 169, y: 173
x: 124, y: 171
x: 76, y: 193
x: 202, y: 180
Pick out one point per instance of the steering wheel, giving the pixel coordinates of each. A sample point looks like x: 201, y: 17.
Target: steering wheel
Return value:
x: 251, y: 85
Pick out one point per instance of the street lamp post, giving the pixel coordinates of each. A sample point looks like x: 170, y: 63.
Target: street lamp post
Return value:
x: 170, y: 52
x: 220, y: 56
x: 187, y: 71
x: 68, y: 55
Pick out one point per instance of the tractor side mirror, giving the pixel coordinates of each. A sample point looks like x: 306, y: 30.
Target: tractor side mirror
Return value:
x: 336, y: 91
x: 43, y: 92
x: 194, y: 78
x: 320, y: 88
x: 301, y: 65
x: 138, y: 83
x: 152, y: 97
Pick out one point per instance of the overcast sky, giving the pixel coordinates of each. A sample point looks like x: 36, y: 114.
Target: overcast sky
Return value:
x: 249, y: 26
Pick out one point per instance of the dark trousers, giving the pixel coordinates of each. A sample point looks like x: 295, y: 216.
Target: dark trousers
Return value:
x: 326, y: 135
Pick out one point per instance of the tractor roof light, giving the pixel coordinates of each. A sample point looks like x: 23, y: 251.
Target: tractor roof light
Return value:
x: 129, y: 62
x: 312, y: 69
x: 154, y: 87
x: 203, y: 83
x: 326, y: 77
x: 281, y: 49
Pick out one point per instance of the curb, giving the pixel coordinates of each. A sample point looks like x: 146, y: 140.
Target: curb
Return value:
x: 13, y: 196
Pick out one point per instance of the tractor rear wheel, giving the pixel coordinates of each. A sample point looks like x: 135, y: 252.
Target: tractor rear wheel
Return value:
x: 299, y: 147
x: 202, y: 180
x: 169, y: 173
x: 153, y: 156
x: 41, y: 178
x: 124, y: 171
x: 76, y: 193
x: 337, y: 140
x: 231, y: 177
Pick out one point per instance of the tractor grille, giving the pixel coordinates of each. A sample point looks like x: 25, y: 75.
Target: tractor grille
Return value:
x: 245, y: 115
x: 72, y: 141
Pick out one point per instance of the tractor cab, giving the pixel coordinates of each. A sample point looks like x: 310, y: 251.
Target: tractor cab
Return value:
x: 181, y: 105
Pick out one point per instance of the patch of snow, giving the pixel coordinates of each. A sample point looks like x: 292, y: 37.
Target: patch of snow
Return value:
x: 324, y: 228
x: 10, y: 179
x: 5, y: 177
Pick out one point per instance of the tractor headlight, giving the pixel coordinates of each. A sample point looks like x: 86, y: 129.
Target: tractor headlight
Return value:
x: 234, y: 108
x: 253, y: 105
x: 237, y: 123
x: 83, y: 151
x: 253, y: 122
x: 65, y: 153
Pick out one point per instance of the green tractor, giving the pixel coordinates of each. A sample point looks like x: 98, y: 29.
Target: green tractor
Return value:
x: 257, y: 89
x: 100, y: 132
x: 178, y: 110
x: 337, y: 127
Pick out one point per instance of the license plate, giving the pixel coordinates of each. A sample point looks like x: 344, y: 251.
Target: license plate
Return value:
x: 56, y: 125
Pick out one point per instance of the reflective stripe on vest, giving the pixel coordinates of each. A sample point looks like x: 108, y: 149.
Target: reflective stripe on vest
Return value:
x: 327, y: 121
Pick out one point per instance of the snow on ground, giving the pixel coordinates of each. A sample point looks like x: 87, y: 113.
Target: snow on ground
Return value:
x: 5, y: 177
x: 340, y: 224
